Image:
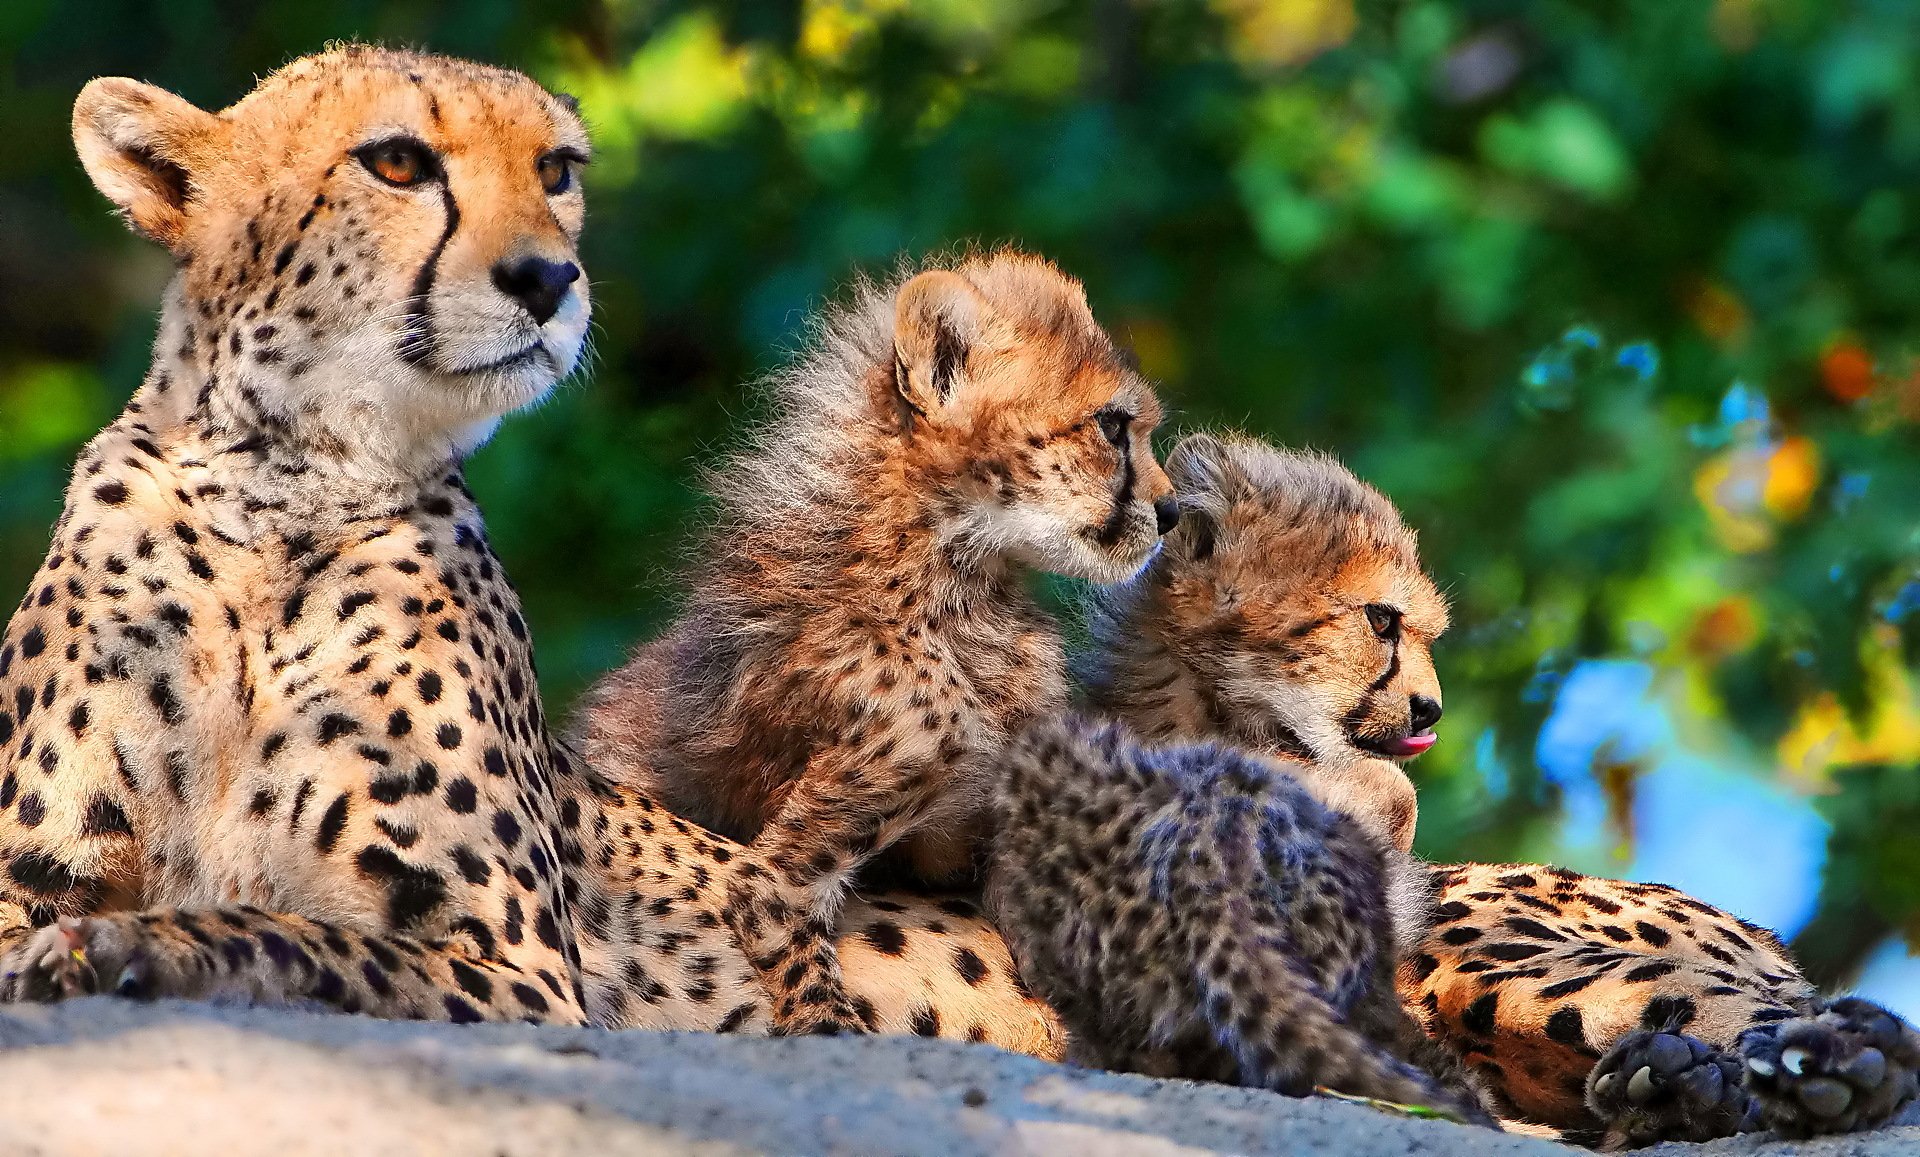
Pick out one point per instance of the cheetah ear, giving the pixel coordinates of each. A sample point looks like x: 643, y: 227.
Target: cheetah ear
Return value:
x: 142, y: 145
x: 1207, y: 481
x: 939, y: 317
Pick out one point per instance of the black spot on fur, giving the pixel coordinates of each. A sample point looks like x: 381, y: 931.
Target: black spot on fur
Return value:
x: 1478, y: 1018
x: 104, y: 818
x: 335, y: 725
x: 461, y: 796
x: 968, y: 964
x: 925, y: 1021
x: 886, y: 938
x: 42, y: 874
x: 1566, y: 1027
x: 332, y: 822
x: 413, y: 892
x: 1668, y: 1013
x: 472, y: 981
x: 1567, y: 987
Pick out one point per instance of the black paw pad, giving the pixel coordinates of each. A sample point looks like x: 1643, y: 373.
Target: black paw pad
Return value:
x: 1662, y: 1086
x: 1831, y: 1073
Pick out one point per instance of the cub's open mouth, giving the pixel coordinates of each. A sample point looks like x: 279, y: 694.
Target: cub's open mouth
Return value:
x: 1401, y: 746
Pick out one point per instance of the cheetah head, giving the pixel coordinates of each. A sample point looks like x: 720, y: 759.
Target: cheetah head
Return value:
x: 376, y: 249
x: 1294, y: 593
x: 1017, y: 404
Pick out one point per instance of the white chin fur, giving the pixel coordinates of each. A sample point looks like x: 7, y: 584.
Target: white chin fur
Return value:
x: 1048, y: 543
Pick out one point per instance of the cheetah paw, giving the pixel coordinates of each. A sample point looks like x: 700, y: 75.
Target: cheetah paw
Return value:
x: 78, y: 956
x: 1848, y: 1068
x: 1663, y: 1086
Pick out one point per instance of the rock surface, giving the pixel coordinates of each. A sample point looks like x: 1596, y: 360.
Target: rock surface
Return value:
x: 108, y: 1077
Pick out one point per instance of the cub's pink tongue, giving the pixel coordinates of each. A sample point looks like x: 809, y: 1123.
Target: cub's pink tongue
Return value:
x: 1412, y: 745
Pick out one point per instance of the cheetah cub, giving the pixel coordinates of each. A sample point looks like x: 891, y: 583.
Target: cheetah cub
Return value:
x: 1290, y: 613
x: 1193, y: 911
x: 859, y: 644
x: 1201, y: 910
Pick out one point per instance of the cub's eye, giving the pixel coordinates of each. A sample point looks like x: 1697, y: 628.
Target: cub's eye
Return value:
x: 401, y: 161
x: 1384, y: 620
x: 1113, y: 425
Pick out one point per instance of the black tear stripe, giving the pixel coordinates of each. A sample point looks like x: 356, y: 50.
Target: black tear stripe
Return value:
x: 1109, y: 532
x: 1392, y: 672
x: 417, y: 341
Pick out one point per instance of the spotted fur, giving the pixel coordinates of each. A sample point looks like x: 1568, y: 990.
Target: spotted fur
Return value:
x: 1193, y: 911
x: 1557, y: 989
x: 859, y: 643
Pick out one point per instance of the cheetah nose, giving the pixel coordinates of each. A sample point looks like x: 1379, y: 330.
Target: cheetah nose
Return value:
x: 1426, y: 712
x: 1166, y: 512
x: 536, y: 283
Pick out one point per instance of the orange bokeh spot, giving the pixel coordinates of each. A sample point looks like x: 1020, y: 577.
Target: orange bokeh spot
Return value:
x: 1718, y: 312
x: 1846, y: 371
x: 1726, y: 628
x: 1793, y: 471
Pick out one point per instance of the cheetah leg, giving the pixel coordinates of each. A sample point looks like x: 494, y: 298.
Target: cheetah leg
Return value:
x: 848, y: 806
x: 253, y: 957
x: 1284, y: 1037
x: 1848, y: 1064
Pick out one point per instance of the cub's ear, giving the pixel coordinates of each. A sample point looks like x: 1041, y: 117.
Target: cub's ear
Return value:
x: 143, y: 146
x: 938, y: 319
x: 1207, y: 480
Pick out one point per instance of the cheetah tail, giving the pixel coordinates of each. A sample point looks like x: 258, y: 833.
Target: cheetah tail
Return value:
x: 1285, y: 1037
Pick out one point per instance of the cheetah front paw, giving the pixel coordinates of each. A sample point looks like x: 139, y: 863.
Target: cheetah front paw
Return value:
x: 1850, y: 1067
x: 1664, y: 1086
x: 78, y: 956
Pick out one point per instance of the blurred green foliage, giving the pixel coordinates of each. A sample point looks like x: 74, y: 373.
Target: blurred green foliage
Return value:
x: 1619, y: 299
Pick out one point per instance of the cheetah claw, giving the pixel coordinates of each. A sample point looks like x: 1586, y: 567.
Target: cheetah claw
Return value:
x: 1664, y: 1086
x: 1851, y: 1066
x: 52, y: 965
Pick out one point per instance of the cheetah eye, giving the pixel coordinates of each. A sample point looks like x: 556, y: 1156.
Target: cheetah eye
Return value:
x: 399, y: 161
x: 556, y: 170
x: 1384, y: 620
x: 1113, y: 425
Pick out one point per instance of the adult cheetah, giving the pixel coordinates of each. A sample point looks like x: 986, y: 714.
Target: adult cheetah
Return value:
x: 270, y: 728
x: 1289, y: 613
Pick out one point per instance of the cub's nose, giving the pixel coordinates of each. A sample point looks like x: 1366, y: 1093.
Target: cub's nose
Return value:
x: 1426, y: 712
x: 536, y: 283
x: 1166, y: 512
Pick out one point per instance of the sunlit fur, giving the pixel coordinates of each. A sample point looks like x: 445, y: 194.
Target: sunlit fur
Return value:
x: 1252, y: 622
x: 1192, y: 910
x: 1556, y: 988
x: 859, y: 641
x: 360, y: 318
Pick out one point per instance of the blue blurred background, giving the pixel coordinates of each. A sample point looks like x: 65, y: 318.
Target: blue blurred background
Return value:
x: 1619, y: 299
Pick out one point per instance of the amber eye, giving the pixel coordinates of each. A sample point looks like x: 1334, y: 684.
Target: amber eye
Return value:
x: 400, y: 161
x: 1384, y: 620
x: 1113, y: 425
x: 556, y: 170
